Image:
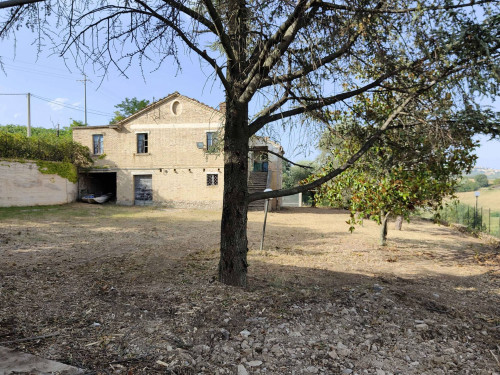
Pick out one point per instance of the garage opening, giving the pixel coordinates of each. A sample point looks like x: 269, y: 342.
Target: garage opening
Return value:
x: 98, y: 183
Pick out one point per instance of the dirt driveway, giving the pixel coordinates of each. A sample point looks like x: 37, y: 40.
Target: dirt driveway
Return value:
x: 131, y: 290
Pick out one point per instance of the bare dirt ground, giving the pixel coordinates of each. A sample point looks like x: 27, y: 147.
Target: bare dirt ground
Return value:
x: 131, y: 290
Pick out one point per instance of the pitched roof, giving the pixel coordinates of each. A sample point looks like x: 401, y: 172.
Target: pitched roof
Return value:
x: 161, y: 102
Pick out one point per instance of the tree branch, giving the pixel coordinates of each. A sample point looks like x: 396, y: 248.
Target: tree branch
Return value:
x: 191, y: 13
x: 203, y: 54
x: 219, y: 29
x: 282, y: 157
x: 267, y: 57
x: 364, y: 148
x: 313, y: 66
x: 332, y: 6
x: 258, y: 123
x: 15, y: 3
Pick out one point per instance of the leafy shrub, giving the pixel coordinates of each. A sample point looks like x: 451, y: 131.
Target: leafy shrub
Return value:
x: 481, y: 180
x: 467, y: 185
x: 40, y: 133
x: 18, y: 146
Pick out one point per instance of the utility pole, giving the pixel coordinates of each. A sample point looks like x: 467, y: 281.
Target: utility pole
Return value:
x: 29, y: 116
x: 84, y: 80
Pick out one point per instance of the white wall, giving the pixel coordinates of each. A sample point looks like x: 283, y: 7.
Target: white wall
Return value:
x: 21, y: 184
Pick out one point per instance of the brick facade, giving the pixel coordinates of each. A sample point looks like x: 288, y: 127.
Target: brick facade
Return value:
x: 175, y: 127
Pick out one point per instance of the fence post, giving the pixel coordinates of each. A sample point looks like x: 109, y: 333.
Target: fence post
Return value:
x: 489, y: 220
x: 468, y: 216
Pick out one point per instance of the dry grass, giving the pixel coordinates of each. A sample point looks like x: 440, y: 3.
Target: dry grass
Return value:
x: 319, y: 239
x: 489, y: 198
x: 66, y: 267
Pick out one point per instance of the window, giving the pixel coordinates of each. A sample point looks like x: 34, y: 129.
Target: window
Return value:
x: 211, y: 141
x: 212, y: 179
x: 97, y: 140
x: 142, y: 143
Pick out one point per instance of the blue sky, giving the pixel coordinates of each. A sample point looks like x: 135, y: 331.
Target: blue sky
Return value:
x: 58, y: 93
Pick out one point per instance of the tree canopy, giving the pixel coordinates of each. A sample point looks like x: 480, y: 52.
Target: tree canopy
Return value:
x: 296, y: 62
x: 481, y: 180
x: 127, y: 108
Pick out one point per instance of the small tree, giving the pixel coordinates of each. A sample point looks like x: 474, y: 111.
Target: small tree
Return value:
x: 75, y: 123
x: 407, y: 168
x: 293, y: 175
x: 481, y: 180
x: 127, y: 108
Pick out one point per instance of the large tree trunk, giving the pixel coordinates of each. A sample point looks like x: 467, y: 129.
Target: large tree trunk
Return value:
x: 383, y: 228
x: 233, y: 235
x: 234, y: 243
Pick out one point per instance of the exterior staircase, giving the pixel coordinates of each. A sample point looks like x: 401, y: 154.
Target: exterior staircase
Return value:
x: 257, y: 182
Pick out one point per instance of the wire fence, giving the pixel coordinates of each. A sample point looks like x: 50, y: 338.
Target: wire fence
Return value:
x: 476, y: 218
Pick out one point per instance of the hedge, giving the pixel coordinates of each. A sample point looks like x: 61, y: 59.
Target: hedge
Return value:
x: 18, y: 146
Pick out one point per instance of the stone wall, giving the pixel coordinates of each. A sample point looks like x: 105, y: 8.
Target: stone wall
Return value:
x: 21, y: 184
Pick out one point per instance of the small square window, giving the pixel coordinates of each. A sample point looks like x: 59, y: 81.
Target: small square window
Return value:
x: 97, y: 143
x: 142, y: 143
x: 212, y: 179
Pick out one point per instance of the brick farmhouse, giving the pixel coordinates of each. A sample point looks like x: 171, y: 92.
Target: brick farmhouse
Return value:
x: 168, y: 153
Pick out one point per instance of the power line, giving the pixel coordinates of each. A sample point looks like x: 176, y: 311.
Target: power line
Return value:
x: 37, y: 65
x: 69, y: 106
x: 37, y: 72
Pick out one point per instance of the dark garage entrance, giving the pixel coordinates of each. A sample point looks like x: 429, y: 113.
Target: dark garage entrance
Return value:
x: 97, y: 183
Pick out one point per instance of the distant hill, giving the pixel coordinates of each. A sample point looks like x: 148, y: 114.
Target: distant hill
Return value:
x: 490, y: 172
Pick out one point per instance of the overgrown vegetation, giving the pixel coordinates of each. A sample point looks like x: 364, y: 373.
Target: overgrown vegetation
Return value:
x: 480, y: 219
x: 63, y: 169
x: 65, y: 133
x: 293, y: 175
x: 480, y: 181
x: 44, y: 148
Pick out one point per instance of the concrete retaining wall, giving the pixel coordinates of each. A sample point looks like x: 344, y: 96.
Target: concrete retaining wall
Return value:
x: 21, y: 184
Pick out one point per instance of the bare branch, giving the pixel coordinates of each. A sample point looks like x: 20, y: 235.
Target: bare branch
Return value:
x: 203, y: 54
x: 191, y: 13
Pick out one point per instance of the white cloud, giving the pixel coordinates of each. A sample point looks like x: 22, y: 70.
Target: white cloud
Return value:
x: 55, y: 106
x: 76, y: 104
x: 17, y: 115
